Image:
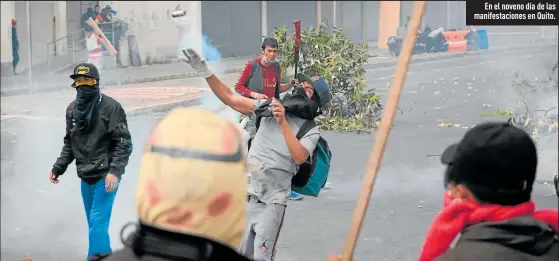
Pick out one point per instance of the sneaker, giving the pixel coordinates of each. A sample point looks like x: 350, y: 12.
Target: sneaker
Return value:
x: 295, y: 196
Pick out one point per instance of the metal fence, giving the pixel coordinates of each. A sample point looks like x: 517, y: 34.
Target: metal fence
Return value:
x: 70, y: 49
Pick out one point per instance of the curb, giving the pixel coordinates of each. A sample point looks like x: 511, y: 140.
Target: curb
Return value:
x: 114, y: 83
x: 382, y: 64
x: 163, y: 107
x: 422, y: 59
x: 129, y: 113
x: 117, y: 83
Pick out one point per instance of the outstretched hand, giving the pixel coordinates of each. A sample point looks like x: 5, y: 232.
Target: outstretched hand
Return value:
x: 197, y: 63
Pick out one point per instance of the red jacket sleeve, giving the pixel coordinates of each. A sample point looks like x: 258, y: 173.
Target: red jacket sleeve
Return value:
x: 240, y: 86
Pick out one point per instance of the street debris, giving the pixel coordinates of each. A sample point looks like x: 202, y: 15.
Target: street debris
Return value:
x: 533, y: 92
x: 443, y: 124
x: 498, y: 112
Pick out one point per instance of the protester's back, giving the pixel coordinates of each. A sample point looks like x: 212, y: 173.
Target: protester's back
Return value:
x: 191, y: 195
x: 489, y: 179
x: 522, y: 239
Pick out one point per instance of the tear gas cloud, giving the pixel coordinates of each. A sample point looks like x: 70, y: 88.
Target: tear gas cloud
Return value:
x: 526, y: 82
x: 208, y: 100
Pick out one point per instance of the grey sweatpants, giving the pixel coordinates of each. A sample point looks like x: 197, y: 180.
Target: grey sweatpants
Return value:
x: 263, y: 228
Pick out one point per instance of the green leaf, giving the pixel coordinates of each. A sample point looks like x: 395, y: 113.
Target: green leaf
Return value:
x: 341, y: 64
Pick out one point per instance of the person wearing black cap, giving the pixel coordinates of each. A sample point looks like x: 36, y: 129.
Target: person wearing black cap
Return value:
x: 488, y: 179
x: 275, y: 152
x: 97, y: 137
x: 261, y: 79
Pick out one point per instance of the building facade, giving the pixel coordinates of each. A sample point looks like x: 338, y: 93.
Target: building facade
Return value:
x: 236, y: 28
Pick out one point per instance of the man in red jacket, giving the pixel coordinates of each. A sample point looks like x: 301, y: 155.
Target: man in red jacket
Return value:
x: 262, y: 76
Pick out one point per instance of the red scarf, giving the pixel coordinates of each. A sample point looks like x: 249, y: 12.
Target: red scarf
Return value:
x: 457, y: 214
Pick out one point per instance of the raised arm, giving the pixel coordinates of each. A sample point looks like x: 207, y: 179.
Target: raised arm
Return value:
x: 223, y: 92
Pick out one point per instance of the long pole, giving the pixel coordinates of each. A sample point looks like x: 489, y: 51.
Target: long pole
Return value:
x: 334, y: 13
x: 375, y: 157
x: 264, y: 18
x: 29, y: 58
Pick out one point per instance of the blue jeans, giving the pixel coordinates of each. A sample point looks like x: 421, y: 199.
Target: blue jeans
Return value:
x: 98, y: 206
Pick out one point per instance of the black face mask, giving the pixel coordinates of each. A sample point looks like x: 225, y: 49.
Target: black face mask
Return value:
x: 300, y: 104
x: 87, y: 99
x: 299, y: 91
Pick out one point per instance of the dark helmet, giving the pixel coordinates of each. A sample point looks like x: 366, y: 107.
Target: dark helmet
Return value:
x: 85, y: 69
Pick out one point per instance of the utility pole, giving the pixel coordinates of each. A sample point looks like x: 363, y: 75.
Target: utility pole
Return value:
x: 334, y: 14
x: 29, y: 58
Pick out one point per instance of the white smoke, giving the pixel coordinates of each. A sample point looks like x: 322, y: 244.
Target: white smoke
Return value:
x: 191, y: 40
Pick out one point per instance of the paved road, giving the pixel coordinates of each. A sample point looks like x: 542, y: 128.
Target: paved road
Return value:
x: 46, y: 221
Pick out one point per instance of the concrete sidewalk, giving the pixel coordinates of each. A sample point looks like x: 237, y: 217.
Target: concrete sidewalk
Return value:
x: 136, y: 99
x: 121, y: 76
x: 154, y: 73
x: 383, y: 62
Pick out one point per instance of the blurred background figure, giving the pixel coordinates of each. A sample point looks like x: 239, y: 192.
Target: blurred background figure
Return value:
x: 15, y: 45
x: 98, y: 17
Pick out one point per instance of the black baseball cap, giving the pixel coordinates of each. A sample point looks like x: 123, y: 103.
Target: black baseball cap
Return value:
x: 497, y: 161
x: 321, y: 89
x: 86, y: 70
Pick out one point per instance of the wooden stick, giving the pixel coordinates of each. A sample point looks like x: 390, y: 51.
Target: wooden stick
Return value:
x: 379, y: 145
x: 100, y: 33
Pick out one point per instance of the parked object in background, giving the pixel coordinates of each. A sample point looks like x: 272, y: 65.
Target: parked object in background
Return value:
x: 394, y: 45
x: 456, y: 40
x: 135, y: 59
x: 472, y: 39
x: 483, y: 43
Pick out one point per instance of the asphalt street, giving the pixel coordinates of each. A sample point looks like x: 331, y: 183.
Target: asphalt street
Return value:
x: 46, y: 222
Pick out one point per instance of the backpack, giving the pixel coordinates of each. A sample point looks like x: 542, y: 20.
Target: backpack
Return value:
x: 256, y: 66
x: 313, y: 173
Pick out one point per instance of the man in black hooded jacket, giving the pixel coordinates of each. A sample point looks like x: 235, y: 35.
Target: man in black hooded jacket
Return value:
x: 487, y: 205
x: 97, y: 137
x: 489, y: 178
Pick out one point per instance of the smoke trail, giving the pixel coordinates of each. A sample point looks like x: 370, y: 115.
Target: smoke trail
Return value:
x: 208, y: 101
